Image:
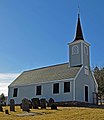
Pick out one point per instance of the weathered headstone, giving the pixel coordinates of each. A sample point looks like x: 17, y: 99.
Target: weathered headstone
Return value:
x: 30, y: 104
x: 35, y: 103
x: 1, y: 109
x: 51, y: 101
x: 20, y: 105
x: 43, y: 103
x: 25, y: 105
x: 12, y: 105
x: 53, y: 107
x: 6, y: 112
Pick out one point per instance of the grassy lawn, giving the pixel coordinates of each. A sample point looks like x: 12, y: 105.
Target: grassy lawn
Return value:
x: 63, y: 113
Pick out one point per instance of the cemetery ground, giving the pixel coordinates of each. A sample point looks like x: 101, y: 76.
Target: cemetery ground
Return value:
x: 62, y: 113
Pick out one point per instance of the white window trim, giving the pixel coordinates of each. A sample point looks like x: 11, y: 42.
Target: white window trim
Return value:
x: 13, y: 92
x: 85, y: 50
x: 52, y: 88
x: 77, y: 51
x: 70, y: 87
x: 41, y: 90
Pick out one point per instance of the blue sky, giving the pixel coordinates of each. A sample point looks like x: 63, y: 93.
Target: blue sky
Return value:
x: 35, y: 33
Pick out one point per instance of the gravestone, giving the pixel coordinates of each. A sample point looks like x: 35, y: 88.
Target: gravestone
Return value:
x: 51, y: 101
x: 53, y: 107
x: 43, y: 103
x: 6, y: 112
x: 20, y: 105
x: 25, y: 105
x: 35, y: 103
x: 1, y: 109
x: 12, y: 105
x: 30, y: 104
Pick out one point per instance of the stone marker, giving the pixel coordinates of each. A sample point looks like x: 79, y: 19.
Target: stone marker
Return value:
x: 12, y: 105
x: 30, y: 104
x: 51, y: 101
x: 1, y: 109
x: 20, y: 105
x: 25, y: 105
x: 43, y: 103
x: 35, y: 103
x: 6, y: 112
x: 53, y: 107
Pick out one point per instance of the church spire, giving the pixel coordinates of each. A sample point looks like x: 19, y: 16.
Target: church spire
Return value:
x: 79, y: 34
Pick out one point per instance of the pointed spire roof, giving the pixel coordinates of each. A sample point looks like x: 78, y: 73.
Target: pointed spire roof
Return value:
x: 79, y: 34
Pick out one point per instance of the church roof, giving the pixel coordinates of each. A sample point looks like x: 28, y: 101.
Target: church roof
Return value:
x: 46, y: 74
x: 79, y: 34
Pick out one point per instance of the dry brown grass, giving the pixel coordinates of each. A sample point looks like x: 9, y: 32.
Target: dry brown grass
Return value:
x: 63, y: 113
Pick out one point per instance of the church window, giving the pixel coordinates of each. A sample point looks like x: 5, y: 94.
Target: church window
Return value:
x: 86, y: 70
x: 55, y: 88
x: 38, y: 90
x: 86, y: 50
x: 75, y: 50
x: 15, y: 92
x: 66, y: 87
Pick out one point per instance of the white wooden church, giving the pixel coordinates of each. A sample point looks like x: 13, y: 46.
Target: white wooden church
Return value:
x: 71, y: 81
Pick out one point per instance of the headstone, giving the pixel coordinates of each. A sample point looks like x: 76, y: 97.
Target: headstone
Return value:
x: 20, y: 105
x: 1, y: 109
x: 51, y: 101
x: 12, y: 105
x: 35, y: 103
x: 4, y: 103
x: 43, y: 103
x: 25, y: 105
x: 6, y: 112
x: 30, y: 104
x: 53, y: 107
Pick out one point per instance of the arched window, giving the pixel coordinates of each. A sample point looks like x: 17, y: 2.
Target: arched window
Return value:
x: 86, y: 50
x: 75, y: 50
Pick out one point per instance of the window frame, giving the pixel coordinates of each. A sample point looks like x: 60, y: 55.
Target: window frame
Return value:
x: 75, y: 50
x: 55, y: 89
x: 15, y: 92
x: 39, y: 90
x: 85, y: 50
x: 66, y: 87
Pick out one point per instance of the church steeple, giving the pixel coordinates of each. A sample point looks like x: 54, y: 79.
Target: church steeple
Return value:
x: 79, y: 34
x: 79, y: 49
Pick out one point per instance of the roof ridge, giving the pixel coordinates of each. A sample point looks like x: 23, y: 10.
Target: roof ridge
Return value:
x: 46, y: 67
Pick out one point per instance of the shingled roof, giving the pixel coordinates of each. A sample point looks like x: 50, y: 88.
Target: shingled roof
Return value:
x: 45, y: 74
